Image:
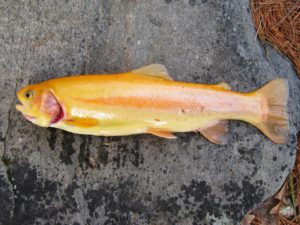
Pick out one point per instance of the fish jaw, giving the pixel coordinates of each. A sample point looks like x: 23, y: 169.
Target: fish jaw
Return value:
x: 30, y: 118
x: 20, y: 108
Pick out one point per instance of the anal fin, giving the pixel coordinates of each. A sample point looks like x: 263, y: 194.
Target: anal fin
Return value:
x: 161, y: 133
x: 216, y: 133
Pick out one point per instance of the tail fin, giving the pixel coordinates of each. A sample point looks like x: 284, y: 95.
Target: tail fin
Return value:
x: 275, y: 122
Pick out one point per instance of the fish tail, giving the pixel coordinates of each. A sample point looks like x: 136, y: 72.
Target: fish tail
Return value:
x: 274, y: 122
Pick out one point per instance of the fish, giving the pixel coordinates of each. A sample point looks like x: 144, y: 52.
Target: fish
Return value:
x: 148, y: 100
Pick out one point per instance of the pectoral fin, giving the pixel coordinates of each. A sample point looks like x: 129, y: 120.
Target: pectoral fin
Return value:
x: 82, y: 122
x: 153, y: 70
x: 160, y: 133
x: 216, y: 133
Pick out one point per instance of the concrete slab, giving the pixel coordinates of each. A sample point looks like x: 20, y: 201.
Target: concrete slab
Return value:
x: 46, y: 175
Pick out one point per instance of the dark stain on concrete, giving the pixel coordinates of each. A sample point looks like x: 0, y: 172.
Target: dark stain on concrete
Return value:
x: 118, y: 201
x: 168, y: 205
x: 83, y: 150
x: 283, y: 167
x: 128, y: 153
x: 232, y: 190
x: 67, y: 148
x: 122, y: 203
x: 192, y: 3
x: 252, y: 194
x: 6, y: 197
x: 155, y: 21
x: 69, y: 199
x: 31, y: 195
x: 248, y: 195
x: 52, y: 138
x: 103, y: 155
x: 206, y: 202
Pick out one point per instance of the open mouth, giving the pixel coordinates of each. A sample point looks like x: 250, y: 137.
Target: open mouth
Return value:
x: 29, y: 117
x: 19, y: 107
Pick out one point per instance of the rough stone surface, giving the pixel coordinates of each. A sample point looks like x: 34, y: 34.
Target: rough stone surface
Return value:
x: 50, y: 176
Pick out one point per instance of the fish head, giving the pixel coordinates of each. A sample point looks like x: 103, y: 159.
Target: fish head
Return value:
x: 39, y: 105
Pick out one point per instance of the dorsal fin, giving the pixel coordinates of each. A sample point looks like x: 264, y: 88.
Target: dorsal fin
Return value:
x: 153, y: 70
x: 224, y: 86
x: 216, y: 133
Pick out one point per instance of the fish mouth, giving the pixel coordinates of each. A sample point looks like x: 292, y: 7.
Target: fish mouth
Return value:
x: 20, y: 107
x: 30, y: 118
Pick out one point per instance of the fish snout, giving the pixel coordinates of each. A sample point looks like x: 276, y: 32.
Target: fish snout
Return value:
x: 20, y: 107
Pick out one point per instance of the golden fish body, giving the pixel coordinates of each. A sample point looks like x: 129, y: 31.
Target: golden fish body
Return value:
x: 146, y: 100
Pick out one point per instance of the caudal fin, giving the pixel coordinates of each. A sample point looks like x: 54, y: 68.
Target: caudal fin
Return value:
x: 275, y: 121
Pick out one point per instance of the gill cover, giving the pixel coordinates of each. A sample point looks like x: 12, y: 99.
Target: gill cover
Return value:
x: 51, y: 107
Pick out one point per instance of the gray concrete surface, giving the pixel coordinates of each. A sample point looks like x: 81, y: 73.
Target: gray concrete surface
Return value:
x: 49, y: 176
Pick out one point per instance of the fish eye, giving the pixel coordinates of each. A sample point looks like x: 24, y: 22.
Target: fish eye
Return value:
x: 28, y: 94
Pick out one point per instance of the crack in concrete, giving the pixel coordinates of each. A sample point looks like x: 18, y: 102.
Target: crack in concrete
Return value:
x: 6, y: 162
x: 9, y: 121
